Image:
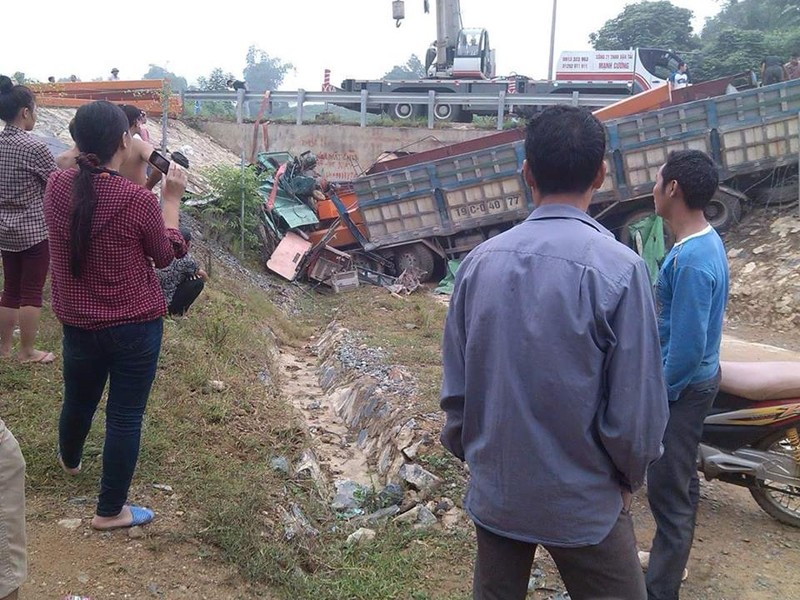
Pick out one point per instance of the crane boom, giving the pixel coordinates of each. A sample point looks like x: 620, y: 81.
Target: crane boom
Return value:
x: 448, y: 26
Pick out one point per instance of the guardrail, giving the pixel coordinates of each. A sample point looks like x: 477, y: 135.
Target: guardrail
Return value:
x: 365, y: 100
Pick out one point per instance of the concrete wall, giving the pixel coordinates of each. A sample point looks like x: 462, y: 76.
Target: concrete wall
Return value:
x: 342, y: 151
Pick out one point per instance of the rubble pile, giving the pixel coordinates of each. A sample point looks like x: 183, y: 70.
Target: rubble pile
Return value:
x: 764, y: 258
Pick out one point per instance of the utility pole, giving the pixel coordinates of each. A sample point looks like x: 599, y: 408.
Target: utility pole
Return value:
x: 552, y: 42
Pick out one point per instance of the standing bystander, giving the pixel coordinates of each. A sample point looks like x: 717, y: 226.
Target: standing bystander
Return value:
x: 692, y: 292
x: 25, y: 165
x: 553, y: 388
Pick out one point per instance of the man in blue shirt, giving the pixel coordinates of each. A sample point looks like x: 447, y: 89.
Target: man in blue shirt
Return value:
x: 553, y: 387
x: 680, y: 78
x: 692, y: 293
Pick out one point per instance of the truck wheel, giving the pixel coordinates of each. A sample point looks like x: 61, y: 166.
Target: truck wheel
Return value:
x: 777, y: 196
x: 446, y: 112
x: 418, y: 256
x: 724, y: 211
x: 404, y: 111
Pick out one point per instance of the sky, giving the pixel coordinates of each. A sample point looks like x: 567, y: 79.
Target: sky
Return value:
x: 354, y: 38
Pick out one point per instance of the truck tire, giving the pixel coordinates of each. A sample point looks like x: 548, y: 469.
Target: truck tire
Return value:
x: 415, y: 255
x: 404, y: 111
x: 724, y: 211
x: 446, y: 112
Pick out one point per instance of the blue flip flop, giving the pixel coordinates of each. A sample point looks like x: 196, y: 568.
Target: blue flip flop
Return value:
x: 139, y: 514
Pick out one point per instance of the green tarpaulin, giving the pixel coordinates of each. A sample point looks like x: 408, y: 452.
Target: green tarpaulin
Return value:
x: 647, y: 236
x: 446, y: 284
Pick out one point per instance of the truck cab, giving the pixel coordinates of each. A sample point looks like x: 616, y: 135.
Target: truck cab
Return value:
x: 639, y: 69
x: 473, y: 57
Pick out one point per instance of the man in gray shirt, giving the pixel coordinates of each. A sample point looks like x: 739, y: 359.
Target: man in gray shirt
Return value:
x: 553, y: 387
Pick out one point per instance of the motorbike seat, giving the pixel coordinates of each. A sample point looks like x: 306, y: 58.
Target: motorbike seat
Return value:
x: 761, y: 380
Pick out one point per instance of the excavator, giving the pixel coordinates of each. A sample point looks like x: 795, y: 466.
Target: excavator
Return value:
x: 457, y: 52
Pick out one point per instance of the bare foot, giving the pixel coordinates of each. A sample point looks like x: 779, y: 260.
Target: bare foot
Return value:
x: 69, y: 470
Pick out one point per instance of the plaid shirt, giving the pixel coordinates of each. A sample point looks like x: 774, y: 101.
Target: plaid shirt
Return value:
x: 25, y: 165
x: 118, y: 284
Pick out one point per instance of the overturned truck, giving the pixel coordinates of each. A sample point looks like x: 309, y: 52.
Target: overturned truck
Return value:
x: 423, y: 209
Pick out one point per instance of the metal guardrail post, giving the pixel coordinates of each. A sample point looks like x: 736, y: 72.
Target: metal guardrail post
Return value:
x: 239, y: 105
x: 301, y: 99
x: 364, y: 97
x: 240, y: 122
x: 575, y: 99
x: 501, y: 109
x: 431, y: 108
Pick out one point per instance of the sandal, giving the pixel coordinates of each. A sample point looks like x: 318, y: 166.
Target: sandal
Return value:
x: 139, y: 515
x: 43, y: 358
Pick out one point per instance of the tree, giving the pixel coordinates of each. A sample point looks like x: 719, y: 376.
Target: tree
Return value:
x: 413, y: 69
x: 264, y: 72
x: 658, y: 24
x: 178, y: 84
x: 19, y: 77
x: 217, y: 81
x: 744, y: 32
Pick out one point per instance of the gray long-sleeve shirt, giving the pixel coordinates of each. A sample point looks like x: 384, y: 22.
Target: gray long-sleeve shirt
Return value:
x: 553, y: 387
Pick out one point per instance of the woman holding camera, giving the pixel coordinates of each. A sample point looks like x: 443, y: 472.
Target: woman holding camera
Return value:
x: 104, y: 229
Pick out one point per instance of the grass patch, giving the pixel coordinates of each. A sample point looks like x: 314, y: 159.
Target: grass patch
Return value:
x: 214, y: 448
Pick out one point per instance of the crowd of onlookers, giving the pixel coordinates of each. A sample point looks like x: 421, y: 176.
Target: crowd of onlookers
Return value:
x: 118, y: 263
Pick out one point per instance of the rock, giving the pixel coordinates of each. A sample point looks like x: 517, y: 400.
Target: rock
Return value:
x: 453, y: 517
x: 419, y: 478
x: 411, y: 451
x: 760, y: 249
x: 410, y: 326
x: 295, y: 523
x: 410, y: 516
x: 279, y: 464
x: 136, y: 533
x: 163, y: 487
x: 216, y: 386
x: 308, y: 467
x: 749, y: 268
x: 81, y: 500
x: 361, y: 536
x: 380, y: 515
x: 425, y: 518
x: 83, y: 578
x: 153, y: 590
x: 443, y: 506
x: 391, y: 494
x: 70, y: 523
x: 349, y: 495
x: 735, y: 252
x: 405, y: 436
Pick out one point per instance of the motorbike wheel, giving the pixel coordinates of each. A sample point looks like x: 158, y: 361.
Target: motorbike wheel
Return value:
x: 782, y: 506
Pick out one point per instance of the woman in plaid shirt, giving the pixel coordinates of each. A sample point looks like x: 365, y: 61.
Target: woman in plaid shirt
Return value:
x: 25, y: 165
x: 104, y: 231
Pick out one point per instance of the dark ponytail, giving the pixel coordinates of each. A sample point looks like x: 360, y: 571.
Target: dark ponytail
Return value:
x: 13, y: 98
x: 99, y: 127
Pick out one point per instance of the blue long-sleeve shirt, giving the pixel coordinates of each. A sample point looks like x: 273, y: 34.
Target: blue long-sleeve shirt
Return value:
x: 553, y: 387
x: 692, y: 294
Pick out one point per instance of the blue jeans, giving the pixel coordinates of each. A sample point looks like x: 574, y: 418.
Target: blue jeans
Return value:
x: 127, y: 355
x: 673, y: 490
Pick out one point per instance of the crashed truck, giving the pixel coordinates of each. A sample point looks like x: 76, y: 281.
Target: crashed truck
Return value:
x: 421, y: 210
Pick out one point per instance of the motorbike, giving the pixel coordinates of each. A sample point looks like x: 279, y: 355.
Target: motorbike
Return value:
x: 750, y: 436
